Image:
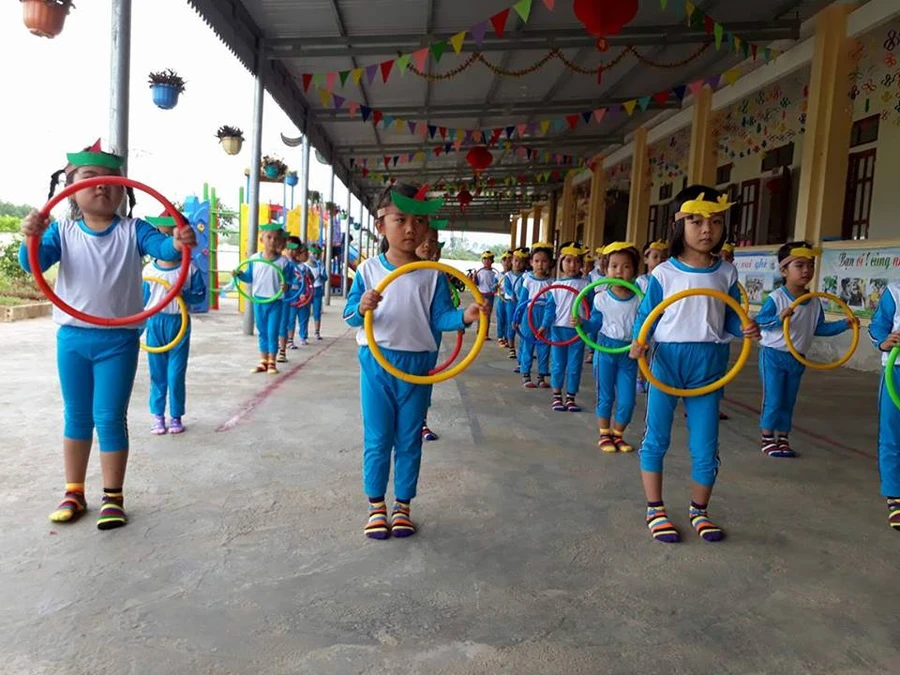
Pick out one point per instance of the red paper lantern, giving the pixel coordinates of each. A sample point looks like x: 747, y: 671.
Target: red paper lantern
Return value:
x: 605, y: 17
x: 464, y: 198
x: 479, y: 158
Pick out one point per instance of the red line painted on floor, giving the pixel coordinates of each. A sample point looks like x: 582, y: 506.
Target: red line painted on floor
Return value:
x: 807, y: 432
x: 262, y: 395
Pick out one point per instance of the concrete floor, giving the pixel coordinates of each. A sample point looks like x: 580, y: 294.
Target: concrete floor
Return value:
x: 245, y: 553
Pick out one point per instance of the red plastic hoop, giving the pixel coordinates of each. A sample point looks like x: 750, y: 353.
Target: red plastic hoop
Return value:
x: 304, y: 299
x: 456, y: 351
x: 584, y: 305
x: 33, y: 243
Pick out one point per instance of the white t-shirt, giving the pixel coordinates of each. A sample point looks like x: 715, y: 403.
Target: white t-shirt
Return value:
x: 486, y: 280
x: 263, y: 279
x: 618, y: 314
x: 563, y: 300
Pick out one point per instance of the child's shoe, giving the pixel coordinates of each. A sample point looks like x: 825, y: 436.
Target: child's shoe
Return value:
x: 377, y: 525
x: 401, y: 525
x: 261, y: 368
x: 112, y: 513
x: 621, y: 445
x: 527, y: 383
x: 158, y: 425
x: 291, y: 345
x: 282, y: 357
x: 641, y: 387
x: 571, y: 406
x: 723, y: 416
x: 303, y: 342
x: 512, y: 353
x: 607, y: 443
x: 271, y: 368
x: 557, y: 405
x: 784, y: 446
x: 318, y: 337
x: 70, y: 508
x: 893, y: 504
x: 703, y: 525
x: 542, y: 383
x: 175, y: 426
x: 428, y: 434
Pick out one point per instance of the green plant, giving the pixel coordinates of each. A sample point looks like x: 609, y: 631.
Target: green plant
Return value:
x: 9, y: 223
x: 18, y: 210
x: 168, y: 77
x: 315, y: 197
x: 268, y: 160
x: 10, y: 269
x: 226, y: 131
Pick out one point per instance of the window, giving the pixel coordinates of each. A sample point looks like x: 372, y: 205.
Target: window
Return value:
x: 858, y: 200
x: 746, y: 230
x: 653, y: 223
x: 778, y: 157
x: 723, y: 174
x: 665, y: 192
x: 864, y: 131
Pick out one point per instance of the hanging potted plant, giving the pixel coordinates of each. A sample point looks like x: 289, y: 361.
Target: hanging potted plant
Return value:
x: 291, y: 179
x: 273, y: 168
x: 166, y: 86
x: 231, y: 138
x: 315, y: 197
x: 45, y: 18
x: 331, y: 208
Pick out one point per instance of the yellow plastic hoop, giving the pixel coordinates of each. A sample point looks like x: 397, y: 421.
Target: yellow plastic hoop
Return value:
x: 854, y: 343
x: 369, y: 325
x: 184, y: 320
x: 657, y: 311
x: 745, y: 299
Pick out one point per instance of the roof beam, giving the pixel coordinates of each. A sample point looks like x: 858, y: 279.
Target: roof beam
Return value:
x: 565, y: 38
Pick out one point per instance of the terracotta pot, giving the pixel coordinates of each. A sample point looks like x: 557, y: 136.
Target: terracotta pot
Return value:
x: 44, y: 19
x: 232, y: 144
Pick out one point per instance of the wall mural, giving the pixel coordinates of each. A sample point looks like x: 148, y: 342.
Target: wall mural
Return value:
x: 875, y: 80
x: 618, y: 177
x: 669, y: 158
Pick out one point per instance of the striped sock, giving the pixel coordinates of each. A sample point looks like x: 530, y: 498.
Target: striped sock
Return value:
x: 112, y: 513
x: 72, y: 505
x: 377, y: 525
x: 401, y: 525
x: 704, y: 526
x: 659, y: 524
x: 893, y: 504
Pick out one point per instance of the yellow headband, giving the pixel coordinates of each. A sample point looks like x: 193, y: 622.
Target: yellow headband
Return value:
x: 522, y: 254
x: 729, y: 248
x: 617, y: 246
x: 542, y: 246
x: 800, y: 252
x: 659, y: 246
x: 599, y: 251
x: 572, y: 250
x: 487, y: 254
x: 701, y: 207
x: 588, y: 257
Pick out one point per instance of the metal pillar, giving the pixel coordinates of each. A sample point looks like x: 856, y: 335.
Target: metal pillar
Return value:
x: 120, y: 80
x: 362, y: 227
x: 345, y: 263
x: 304, y: 193
x: 328, y: 242
x: 255, y: 159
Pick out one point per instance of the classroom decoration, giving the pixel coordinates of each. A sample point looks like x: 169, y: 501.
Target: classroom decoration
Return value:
x: 464, y: 198
x: 231, y: 139
x: 605, y: 17
x: 166, y: 86
x: 45, y: 18
x: 479, y: 158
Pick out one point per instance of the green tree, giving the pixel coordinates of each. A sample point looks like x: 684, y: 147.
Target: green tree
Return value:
x: 10, y: 223
x: 17, y: 210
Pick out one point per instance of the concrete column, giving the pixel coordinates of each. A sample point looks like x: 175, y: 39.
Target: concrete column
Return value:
x: 304, y: 193
x: 703, y: 154
x: 537, y: 231
x: 345, y: 249
x: 329, y: 237
x: 639, y: 195
x: 820, y: 200
x: 120, y: 79
x: 513, y: 242
x: 567, y: 231
x: 550, y: 234
x: 255, y: 159
x: 596, y: 220
x: 523, y: 228
x: 362, y: 227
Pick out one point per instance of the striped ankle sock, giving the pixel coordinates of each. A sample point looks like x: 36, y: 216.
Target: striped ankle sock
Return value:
x: 112, y: 513
x: 704, y: 526
x: 893, y: 504
x: 377, y: 525
x: 72, y: 505
x: 401, y: 525
x: 659, y: 524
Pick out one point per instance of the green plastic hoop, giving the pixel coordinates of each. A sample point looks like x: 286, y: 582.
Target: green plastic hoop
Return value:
x: 253, y: 298
x: 606, y: 281
x: 454, y: 294
x: 889, y: 376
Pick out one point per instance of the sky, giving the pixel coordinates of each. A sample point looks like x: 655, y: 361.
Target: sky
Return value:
x: 58, y: 101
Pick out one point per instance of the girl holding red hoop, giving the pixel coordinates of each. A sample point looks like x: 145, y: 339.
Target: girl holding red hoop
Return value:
x: 691, y: 350
x: 613, y: 312
x: 884, y: 330
x: 404, y: 320
x: 567, y: 350
x: 532, y: 283
x: 100, y: 258
x: 430, y: 249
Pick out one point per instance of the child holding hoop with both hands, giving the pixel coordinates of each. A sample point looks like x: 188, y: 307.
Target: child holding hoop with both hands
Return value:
x: 691, y: 350
x: 100, y: 257
x: 404, y: 320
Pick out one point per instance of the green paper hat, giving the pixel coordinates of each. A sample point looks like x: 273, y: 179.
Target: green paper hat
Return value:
x: 418, y: 205
x: 315, y: 248
x: 270, y: 227
x: 440, y: 224
x: 292, y: 245
x: 440, y: 244
x: 94, y: 156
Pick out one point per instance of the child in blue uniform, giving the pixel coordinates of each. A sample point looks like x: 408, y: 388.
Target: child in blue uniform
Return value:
x: 430, y: 249
x: 655, y: 252
x: 264, y: 283
x: 305, y: 272
x: 504, y: 306
x: 168, y: 370
x: 320, y: 274
x: 99, y: 255
x: 530, y: 285
x: 779, y: 371
x: 884, y: 330
x: 613, y: 312
x: 296, y: 282
x: 405, y: 319
x: 510, y: 288
x: 566, y: 361
x: 691, y: 350
x: 487, y: 279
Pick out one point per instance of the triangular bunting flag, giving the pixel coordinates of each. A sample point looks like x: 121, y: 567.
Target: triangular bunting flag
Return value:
x: 307, y: 79
x: 695, y: 86
x: 661, y: 97
x: 354, y: 108
x: 370, y: 72
x: 545, y: 126
x: 396, y: 159
x: 586, y: 116
x: 330, y: 80
x: 713, y: 82
x: 356, y: 74
x: 338, y: 101
x: 644, y: 102
x: 745, y: 48
x: 767, y: 54
x: 663, y: 3
x: 731, y: 76
x: 708, y: 24
x: 522, y: 129
x: 344, y: 74
x: 319, y: 80
x: 386, y: 160
x: 386, y: 70
x: 324, y: 96
x: 718, y: 31
x: 737, y: 43
x: 680, y: 91
x: 457, y: 41
x: 523, y: 9
x: 437, y: 50
x: 432, y: 130
x: 388, y: 121
x: 443, y: 132
x: 412, y: 127
x: 478, y: 32
x: 599, y: 113
x: 629, y: 106
x: 559, y: 124
x: 689, y: 10
x: 753, y: 50
x: 376, y: 117
x: 420, y: 57
x: 510, y: 131
x: 498, y: 21
x: 403, y: 63
x: 550, y: 4
x: 448, y: 147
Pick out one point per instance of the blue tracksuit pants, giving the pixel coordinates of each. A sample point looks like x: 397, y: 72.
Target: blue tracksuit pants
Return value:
x: 318, y: 294
x: 685, y: 365
x: 392, y: 414
x: 268, y: 325
x: 168, y: 370
x: 780, y: 373
x: 96, y: 374
x: 566, y: 363
x: 438, y: 338
x: 530, y: 345
x: 503, y: 308
x: 303, y: 314
x: 288, y: 319
x: 615, y: 377
x: 889, y: 440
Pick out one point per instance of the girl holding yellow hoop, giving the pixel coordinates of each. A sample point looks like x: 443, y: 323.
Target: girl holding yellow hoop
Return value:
x: 779, y: 370
x: 884, y: 330
x: 691, y: 352
x: 168, y: 369
x: 403, y: 323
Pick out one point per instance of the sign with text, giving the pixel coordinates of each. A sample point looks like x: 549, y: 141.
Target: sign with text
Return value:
x: 858, y: 276
x: 758, y: 273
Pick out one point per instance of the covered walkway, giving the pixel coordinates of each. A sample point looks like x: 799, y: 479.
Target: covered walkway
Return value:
x: 245, y: 551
